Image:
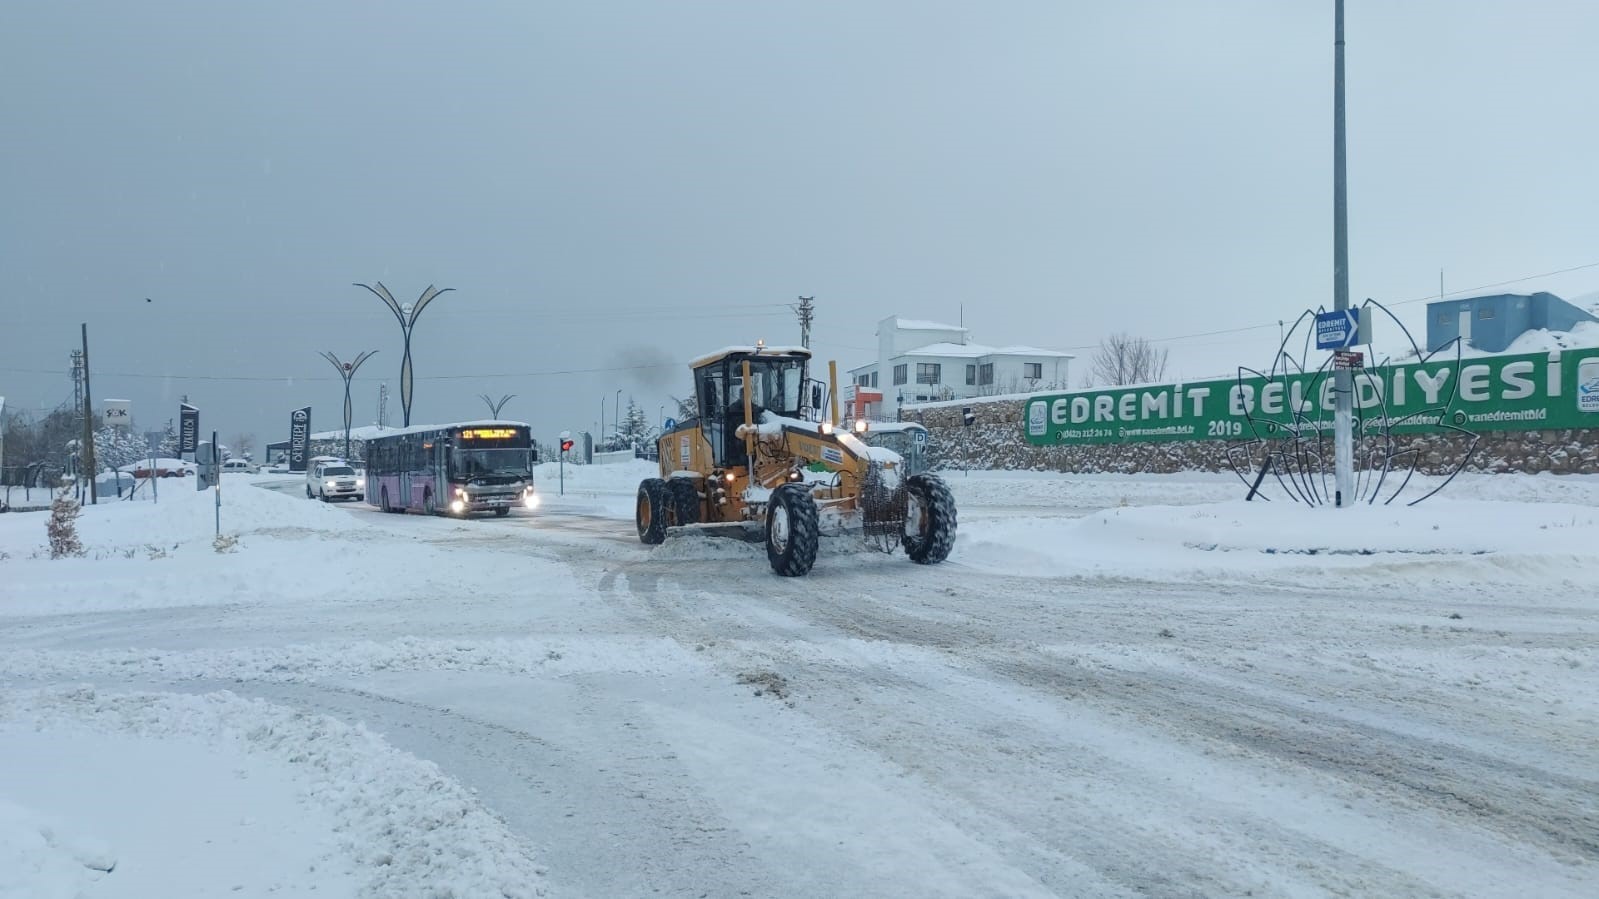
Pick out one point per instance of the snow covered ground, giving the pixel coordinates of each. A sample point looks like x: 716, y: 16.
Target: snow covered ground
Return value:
x: 1117, y: 686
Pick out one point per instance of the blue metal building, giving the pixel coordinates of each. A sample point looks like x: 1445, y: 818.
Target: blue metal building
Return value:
x: 1491, y: 323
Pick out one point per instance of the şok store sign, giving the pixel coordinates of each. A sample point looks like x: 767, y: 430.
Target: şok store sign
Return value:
x: 1498, y: 393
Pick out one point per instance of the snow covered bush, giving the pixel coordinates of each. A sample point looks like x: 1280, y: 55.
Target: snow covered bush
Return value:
x: 63, y: 529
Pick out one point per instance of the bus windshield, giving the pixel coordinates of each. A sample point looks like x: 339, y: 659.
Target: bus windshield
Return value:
x: 490, y: 463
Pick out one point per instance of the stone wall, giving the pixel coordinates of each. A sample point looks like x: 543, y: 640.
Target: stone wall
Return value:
x: 995, y: 441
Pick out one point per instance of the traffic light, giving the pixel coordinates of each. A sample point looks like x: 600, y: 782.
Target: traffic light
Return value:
x: 566, y: 444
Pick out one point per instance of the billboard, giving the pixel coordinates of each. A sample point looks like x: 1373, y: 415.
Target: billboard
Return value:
x: 299, y: 438
x: 116, y: 413
x: 1535, y: 391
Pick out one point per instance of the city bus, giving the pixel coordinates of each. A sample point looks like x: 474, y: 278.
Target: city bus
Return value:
x: 454, y: 469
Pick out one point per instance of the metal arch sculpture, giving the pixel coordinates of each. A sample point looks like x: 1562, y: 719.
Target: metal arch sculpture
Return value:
x: 1293, y: 448
x: 347, y: 371
x: 496, y: 405
x: 407, y: 316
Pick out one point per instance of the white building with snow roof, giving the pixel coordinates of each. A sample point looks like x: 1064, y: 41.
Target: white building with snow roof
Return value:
x: 922, y: 361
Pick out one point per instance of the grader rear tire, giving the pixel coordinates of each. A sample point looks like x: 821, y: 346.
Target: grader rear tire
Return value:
x: 650, y: 513
x: 791, y: 533
x: 930, y: 520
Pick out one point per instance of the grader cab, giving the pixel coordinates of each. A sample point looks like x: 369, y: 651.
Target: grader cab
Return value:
x: 763, y: 459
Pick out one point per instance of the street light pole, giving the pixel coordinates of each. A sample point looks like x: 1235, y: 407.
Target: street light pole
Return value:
x: 346, y: 370
x: 602, y: 419
x: 616, y: 432
x: 1343, y: 378
x: 87, y: 449
x: 407, y: 316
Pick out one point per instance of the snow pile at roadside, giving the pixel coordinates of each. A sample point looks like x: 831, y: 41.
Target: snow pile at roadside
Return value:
x: 1459, y: 541
x: 369, y: 819
x: 181, y: 517
x: 277, y: 549
x: 621, y: 478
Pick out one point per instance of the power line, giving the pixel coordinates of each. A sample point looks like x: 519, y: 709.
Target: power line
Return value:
x: 313, y: 378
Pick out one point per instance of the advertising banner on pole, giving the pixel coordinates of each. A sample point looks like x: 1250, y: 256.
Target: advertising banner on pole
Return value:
x: 299, y: 438
x: 1526, y: 392
x: 188, y: 429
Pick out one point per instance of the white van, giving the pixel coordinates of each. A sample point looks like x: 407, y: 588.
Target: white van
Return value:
x: 328, y: 478
x: 242, y: 465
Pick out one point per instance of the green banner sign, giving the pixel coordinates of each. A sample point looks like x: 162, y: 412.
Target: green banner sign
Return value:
x: 1497, y: 393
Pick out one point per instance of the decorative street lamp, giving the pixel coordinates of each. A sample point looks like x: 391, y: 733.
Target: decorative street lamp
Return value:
x: 496, y: 406
x: 407, y: 316
x: 346, y: 370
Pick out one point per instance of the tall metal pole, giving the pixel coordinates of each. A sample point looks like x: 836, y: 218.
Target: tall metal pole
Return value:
x: 616, y: 432
x: 807, y: 314
x: 88, y: 424
x: 1343, y: 378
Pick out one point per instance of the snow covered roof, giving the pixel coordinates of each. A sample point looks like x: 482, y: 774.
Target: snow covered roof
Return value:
x: 966, y: 350
x: 1031, y: 351
x: 765, y: 351
x: 977, y: 350
x: 365, y: 432
x: 371, y: 433
x: 917, y: 324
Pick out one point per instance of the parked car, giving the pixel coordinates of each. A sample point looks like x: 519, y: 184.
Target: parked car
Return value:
x: 243, y: 465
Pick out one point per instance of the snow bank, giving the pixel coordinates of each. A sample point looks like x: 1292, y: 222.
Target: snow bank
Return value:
x: 279, y: 548
x: 1458, y: 541
x: 298, y: 804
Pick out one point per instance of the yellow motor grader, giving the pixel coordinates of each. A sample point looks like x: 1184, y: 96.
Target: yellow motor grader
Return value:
x: 761, y: 458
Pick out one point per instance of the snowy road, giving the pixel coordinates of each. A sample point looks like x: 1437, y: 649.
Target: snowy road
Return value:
x: 679, y: 722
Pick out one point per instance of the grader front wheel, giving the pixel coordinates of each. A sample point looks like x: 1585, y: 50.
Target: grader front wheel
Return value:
x: 791, y: 532
x: 650, y: 514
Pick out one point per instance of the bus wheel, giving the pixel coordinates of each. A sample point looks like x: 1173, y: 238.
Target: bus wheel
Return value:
x: 427, y: 503
x: 502, y: 511
x: 383, y: 500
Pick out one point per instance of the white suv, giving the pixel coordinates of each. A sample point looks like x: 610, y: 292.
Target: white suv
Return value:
x: 329, y: 481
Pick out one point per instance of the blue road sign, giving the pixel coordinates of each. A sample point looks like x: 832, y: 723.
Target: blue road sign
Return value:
x: 670, y: 424
x: 1337, y: 330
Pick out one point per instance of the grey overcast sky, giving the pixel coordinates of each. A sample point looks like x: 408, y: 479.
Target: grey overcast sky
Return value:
x: 621, y: 184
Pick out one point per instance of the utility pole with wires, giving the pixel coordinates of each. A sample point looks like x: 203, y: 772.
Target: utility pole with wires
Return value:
x: 383, y: 405
x: 807, y: 314
x: 88, y: 422
x: 77, y: 421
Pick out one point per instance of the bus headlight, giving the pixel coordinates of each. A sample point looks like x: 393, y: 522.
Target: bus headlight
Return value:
x: 458, y: 507
x: 531, y: 501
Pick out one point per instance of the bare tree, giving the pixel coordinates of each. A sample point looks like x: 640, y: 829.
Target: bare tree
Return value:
x: 1125, y: 359
x: 244, y: 444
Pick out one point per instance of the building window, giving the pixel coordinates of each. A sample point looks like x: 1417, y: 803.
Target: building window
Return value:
x: 985, y: 374
x: 899, y: 374
x: 927, y: 372
x: 1484, y: 313
x: 1033, y: 370
x: 874, y: 379
x: 1443, y: 318
x: 971, y: 374
x: 863, y: 380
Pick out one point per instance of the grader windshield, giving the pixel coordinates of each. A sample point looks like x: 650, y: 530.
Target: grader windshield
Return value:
x: 777, y: 383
